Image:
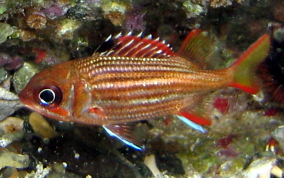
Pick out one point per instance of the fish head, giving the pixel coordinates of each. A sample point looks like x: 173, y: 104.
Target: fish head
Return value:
x: 49, y: 92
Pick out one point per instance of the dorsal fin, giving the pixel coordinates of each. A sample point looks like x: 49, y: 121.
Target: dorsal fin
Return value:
x: 197, y: 47
x: 135, y: 46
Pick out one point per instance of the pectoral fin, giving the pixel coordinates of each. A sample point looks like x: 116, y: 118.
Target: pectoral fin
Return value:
x: 123, y: 132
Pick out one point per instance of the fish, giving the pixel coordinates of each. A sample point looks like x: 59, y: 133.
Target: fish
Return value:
x: 139, y: 78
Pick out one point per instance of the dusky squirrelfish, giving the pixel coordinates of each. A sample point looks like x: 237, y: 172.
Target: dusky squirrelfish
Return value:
x: 138, y: 79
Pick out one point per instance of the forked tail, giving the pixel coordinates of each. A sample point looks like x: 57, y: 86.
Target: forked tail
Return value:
x: 245, y: 67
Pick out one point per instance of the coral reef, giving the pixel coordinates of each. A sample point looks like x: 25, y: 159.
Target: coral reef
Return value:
x: 9, y: 62
x: 36, y: 20
x: 5, y: 31
x: 224, y: 3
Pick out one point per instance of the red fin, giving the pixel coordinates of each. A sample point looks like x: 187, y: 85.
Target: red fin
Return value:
x: 124, y: 132
x: 198, y: 114
x: 253, y: 89
x: 196, y: 118
x: 245, y: 66
x: 197, y: 47
x: 134, y: 46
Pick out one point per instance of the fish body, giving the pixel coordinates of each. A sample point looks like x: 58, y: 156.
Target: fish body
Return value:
x: 138, y: 79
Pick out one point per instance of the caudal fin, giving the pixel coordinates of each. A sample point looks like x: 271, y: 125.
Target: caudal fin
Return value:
x: 245, y: 66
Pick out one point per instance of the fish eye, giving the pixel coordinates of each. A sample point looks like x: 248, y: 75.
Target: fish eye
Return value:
x: 48, y: 96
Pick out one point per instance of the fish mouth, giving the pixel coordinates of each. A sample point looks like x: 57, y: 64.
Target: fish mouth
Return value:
x: 24, y: 101
x: 27, y: 103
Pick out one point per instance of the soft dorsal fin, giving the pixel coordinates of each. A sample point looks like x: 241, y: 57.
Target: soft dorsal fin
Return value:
x: 135, y: 46
x: 197, y: 47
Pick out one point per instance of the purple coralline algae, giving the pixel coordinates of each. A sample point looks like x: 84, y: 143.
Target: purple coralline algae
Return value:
x: 10, y: 63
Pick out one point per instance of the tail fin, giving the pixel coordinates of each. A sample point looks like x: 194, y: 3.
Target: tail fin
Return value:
x: 245, y: 66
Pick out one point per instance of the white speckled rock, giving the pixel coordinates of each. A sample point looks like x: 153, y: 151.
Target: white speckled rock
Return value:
x: 9, y: 103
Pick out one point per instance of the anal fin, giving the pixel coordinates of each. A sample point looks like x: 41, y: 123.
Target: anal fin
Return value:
x: 195, y: 117
x: 199, y: 113
x: 191, y: 123
x: 123, y: 132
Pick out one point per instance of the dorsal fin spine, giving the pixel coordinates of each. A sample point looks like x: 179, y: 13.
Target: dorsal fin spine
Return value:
x: 148, y: 45
x: 118, y: 35
x: 135, y: 46
x: 150, y: 52
x: 129, y: 33
x: 134, y: 49
x: 149, y: 37
x: 129, y: 43
x: 108, y: 38
x: 159, y: 51
x: 117, y: 52
x: 157, y: 39
x: 140, y: 34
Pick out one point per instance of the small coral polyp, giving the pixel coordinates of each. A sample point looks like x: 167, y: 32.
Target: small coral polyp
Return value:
x: 36, y: 20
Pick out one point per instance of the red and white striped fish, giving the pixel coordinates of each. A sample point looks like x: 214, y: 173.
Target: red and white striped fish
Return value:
x: 138, y: 79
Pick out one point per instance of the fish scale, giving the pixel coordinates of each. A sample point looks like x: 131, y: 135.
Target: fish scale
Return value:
x: 153, y: 88
x: 129, y: 64
x: 153, y: 69
x: 137, y: 112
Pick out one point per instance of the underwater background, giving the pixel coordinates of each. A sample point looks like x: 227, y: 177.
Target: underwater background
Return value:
x: 245, y: 138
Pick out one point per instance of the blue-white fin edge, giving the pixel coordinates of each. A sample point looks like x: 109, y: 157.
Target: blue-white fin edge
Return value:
x: 191, y: 124
x: 125, y: 141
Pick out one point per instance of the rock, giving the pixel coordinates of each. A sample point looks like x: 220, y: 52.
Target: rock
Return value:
x: 10, y: 159
x: 23, y: 75
x: 259, y: 168
x: 40, y: 172
x: 9, y: 103
x: 278, y: 135
x: 5, y: 31
x: 41, y: 126
x: 11, y: 124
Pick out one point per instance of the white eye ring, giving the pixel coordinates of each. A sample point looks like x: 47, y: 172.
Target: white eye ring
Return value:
x: 46, y: 96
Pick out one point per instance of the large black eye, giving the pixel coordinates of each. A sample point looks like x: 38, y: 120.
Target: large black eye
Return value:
x: 46, y: 96
x: 49, y: 96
